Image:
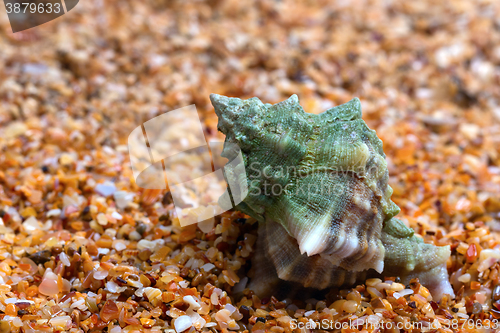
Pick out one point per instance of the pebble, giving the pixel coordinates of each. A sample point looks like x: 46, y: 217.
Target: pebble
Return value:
x: 182, y: 323
x: 208, y: 267
x: 64, y: 259
x: 477, y: 308
x: 100, y: 274
x: 107, y: 189
x: 4, y: 326
x: 54, y: 212
x: 116, y: 215
x: 49, y: 285
x: 495, y: 295
x: 440, y: 134
x: 119, y: 246
x: 192, y: 302
x: 40, y: 257
x: 464, y: 278
x: 66, y: 159
x: 15, y: 129
x: 31, y: 224
x: 101, y: 219
x: 123, y: 198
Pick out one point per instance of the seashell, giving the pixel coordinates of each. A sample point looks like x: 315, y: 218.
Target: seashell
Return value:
x: 329, y: 170
x: 318, y: 185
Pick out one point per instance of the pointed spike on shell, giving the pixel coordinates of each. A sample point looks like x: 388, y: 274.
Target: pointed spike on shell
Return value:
x: 397, y: 228
x: 229, y: 110
x: 223, y: 103
x: 225, y: 106
x: 294, y: 99
x: 345, y: 112
x: 219, y: 101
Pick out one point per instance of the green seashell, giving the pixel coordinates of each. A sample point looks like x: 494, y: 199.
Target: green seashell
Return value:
x: 322, y: 181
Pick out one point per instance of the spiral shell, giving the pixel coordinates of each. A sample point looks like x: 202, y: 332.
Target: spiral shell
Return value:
x: 318, y: 185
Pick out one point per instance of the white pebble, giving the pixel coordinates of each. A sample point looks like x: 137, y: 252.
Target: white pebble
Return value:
x: 11, y: 300
x: 192, y: 301
x: 208, y: 267
x: 116, y: 215
x: 405, y: 292
x: 17, y: 322
x: 123, y: 198
x: 207, y: 225
x: 464, y: 278
x: 119, y: 246
x: 102, y: 250
x: 105, y: 189
x: 100, y: 275
x: 101, y: 219
x: 240, y: 286
x: 112, y: 287
x: 231, y: 308
x: 54, y: 212
x: 64, y: 259
x: 134, y: 235
x: 146, y: 244
x: 308, y: 313
x: 197, y: 321
x: 116, y: 329
x: 31, y: 224
x: 182, y: 323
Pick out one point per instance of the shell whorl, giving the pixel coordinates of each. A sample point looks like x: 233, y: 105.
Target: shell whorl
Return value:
x: 322, y: 177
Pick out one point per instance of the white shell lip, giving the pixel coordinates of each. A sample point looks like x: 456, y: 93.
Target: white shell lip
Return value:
x: 314, y: 242
x: 379, y: 265
x: 317, y: 241
x: 374, y: 261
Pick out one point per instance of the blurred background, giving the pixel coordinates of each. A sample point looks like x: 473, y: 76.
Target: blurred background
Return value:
x: 427, y: 73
